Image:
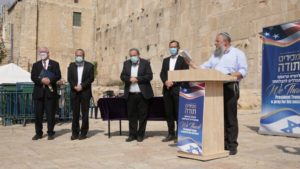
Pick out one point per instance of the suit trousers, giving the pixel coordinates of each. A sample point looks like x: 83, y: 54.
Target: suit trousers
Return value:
x: 77, y: 104
x: 137, y: 108
x: 231, y: 128
x: 171, y: 101
x: 48, y: 106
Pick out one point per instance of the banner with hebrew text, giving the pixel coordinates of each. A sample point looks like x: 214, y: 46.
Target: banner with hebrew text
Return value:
x: 281, y: 80
x: 190, y: 118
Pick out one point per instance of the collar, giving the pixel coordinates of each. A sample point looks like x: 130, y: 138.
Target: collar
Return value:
x: 47, y: 60
x: 135, y: 64
x: 174, y: 57
x: 79, y: 64
x: 227, y: 50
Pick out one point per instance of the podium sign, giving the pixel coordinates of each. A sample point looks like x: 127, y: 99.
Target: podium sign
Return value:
x: 190, y: 118
x: 201, y: 113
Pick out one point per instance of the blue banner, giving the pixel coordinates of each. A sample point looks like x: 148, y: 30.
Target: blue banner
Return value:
x: 190, y: 118
x: 281, y: 80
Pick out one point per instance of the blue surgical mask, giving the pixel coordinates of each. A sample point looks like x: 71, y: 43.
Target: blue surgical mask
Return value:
x: 79, y: 59
x: 173, y: 51
x: 134, y: 59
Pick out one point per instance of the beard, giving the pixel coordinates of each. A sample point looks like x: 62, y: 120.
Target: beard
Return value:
x: 219, y: 51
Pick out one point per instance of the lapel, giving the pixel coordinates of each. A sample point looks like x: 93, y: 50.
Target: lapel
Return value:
x: 140, y: 67
x: 84, y: 71
x: 75, y: 73
x: 128, y: 67
x: 178, y: 63
x: 168, y: 63
x: 49, y: 65
x: 40, y: 66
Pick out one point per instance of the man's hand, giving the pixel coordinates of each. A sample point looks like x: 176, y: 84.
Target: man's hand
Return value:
x: 78, y: 88
x: 46, y: 81
x: 133, y: 80
x: 237, y: 74
x: 169, y: 84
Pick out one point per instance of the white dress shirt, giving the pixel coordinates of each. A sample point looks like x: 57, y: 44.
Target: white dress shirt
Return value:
x: 233, y: 60
x: 134, y: 87
x: 172, y: 62
x: 79, y: 73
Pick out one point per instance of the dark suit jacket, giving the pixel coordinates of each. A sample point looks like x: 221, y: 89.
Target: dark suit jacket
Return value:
x: 86, y: 81
x: 39, y: 90
x: 144, y: 77
x: 179, y: 65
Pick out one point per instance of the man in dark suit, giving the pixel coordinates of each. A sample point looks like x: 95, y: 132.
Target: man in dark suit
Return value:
x: 80, y: 77
x: 171, y: 89
x: 44, y: 92
x: 137, y: 75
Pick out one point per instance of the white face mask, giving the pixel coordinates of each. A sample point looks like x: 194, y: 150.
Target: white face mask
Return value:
x: 43, y: 55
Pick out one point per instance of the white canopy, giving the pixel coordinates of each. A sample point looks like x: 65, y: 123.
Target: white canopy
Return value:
x: 12, y: 73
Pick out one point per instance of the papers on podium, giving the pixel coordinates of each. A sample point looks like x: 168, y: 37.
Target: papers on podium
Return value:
x: 186, y: 55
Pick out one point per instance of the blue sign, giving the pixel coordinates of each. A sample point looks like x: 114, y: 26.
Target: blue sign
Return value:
x: 190, y: 118
x: 281, y: 80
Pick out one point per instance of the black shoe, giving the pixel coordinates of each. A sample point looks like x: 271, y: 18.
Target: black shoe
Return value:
x: 73, y: 137
x: 140, y: 139
x: 175, y: 140
x: 233, y: 152
x: 36, y: 137
x: 82, y: 137
x: 130, y: 138
x: 169, y: 138
x: 51, y: 137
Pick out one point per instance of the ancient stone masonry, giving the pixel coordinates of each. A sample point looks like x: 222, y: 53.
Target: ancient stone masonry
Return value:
x: 110, y: 27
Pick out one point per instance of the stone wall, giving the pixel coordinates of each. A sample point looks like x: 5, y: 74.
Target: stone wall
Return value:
x: 110, y: 27
x: 52, y: 26
x: 150, y: 24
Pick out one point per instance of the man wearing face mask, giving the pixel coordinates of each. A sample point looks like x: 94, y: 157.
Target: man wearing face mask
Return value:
x: 171, y: 89
x: 230, y: 61
x: 80, y: 77
x: 45, y: 92
x: 137, y: 74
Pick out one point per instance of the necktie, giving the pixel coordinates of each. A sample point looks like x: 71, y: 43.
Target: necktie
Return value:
x: 44, y: 65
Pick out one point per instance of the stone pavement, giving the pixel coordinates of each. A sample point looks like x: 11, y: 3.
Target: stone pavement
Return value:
x: 18, y: 151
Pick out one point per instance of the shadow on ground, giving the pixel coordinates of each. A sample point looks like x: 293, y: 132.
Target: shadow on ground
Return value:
x: 92, y: 133
x: 289, y: 149
x: 253, y: 128
x: 147, y: 134
x: 62, y: 132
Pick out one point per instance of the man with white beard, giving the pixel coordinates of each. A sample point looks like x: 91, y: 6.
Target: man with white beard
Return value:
x: 230, y: 61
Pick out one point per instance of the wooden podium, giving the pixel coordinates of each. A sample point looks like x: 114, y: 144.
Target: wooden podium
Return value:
x: 213, y: 111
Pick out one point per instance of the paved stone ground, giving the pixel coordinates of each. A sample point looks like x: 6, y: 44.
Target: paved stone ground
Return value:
x: 18, y: 151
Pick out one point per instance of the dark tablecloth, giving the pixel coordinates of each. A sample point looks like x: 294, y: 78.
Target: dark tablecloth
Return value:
x: 116, y: 109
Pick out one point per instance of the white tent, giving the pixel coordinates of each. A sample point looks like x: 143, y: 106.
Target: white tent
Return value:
x: 12, y: 73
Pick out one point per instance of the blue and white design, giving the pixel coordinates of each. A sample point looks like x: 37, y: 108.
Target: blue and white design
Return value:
x: 190, y: 118
x: 284, y: 120
x: 281, y: 80
x: 190, y: 146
